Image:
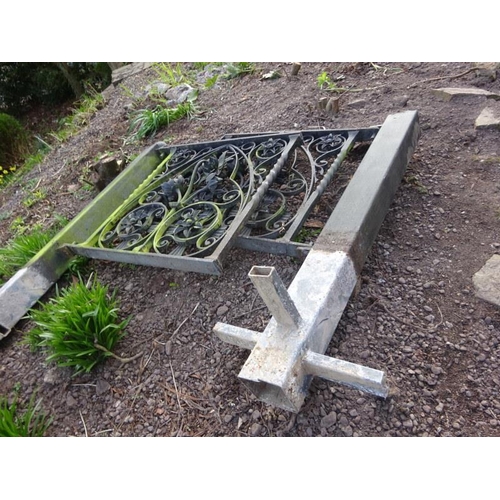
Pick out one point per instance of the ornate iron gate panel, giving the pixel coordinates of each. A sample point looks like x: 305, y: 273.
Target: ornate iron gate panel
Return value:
x: 201, y: 199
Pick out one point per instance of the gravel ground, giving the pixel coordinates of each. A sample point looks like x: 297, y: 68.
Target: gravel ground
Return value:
x: 413, y: 315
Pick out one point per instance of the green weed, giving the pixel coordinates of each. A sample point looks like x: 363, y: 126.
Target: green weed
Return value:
x: 79, y: 327
x: 210, y: 82
x: 34, y: 197
x: 30, y: 423
x: 307, y: 234
x: 234, y: 70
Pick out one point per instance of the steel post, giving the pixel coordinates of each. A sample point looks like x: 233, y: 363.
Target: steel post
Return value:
x: 290, y: 351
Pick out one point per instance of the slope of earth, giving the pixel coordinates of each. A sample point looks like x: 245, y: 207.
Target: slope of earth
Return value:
x: 414, y: 314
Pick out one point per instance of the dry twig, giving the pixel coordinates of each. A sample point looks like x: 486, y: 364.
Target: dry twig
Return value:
x: 450, y: 77
x: 113, y: 355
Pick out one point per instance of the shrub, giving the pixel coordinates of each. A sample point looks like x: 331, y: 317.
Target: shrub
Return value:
x: 13, y: 141
x: 79, y: 327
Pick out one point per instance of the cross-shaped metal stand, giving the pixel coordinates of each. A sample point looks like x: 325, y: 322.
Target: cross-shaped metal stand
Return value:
x: 291, y: 349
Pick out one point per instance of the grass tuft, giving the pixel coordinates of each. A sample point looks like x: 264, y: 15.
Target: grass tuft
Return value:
x: 79, y: 327
x: 31, y: 423
x: 147, y: 122
x: 21, y: 249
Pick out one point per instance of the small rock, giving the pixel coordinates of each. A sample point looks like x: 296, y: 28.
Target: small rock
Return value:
x: 53, y: 376
x: 255, y: 429
x: 402, y: 280
x: 440, y: 407
x: 401, y: 100
x: 489, y: 118
x: 436, y: 370
x: 71, y: 401
x: 179, y: 94
x: 228, y: 418
x: 222, y: 310
x: 486, y: 281
x: 347, y: 430
x: 329, y: 420
x: 102, y: 387
x: 256, y: 415
x: 446, y: 94
x: 358, y: 103
x: 168, y: 348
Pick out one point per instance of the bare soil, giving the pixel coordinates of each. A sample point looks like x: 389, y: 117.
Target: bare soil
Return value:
x: 414, y: 315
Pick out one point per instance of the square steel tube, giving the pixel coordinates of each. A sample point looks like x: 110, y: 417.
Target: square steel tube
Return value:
x: 280, y: 367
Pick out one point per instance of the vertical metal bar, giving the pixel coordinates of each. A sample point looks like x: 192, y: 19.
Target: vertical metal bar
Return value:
x: 275, y: 296
x: 232, y: 233
x: 305, y: 210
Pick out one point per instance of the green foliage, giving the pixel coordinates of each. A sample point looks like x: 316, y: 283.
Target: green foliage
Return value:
x: 147, y: 122
x: 306, y: 235
x: 85, y: 108
x: 31, y: 423
x: 21, y: 249
x: 14, y: 143
x: 79, y: 327
x: 172, y: 75
x: 34, y: 197
x: 25, y: 84
x: 234, y: 70
x: 325, y: 83
x: 211, y: 81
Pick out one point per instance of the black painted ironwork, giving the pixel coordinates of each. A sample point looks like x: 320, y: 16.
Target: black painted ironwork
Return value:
x: 264, y: 185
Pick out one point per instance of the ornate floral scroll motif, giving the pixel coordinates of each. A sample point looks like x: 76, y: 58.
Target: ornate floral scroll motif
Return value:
x: 294, y: 185
x: 187, y: 204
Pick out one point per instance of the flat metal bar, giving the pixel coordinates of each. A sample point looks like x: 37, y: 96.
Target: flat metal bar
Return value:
x: 192, y: 264
x: 364, y: 134
x: 305, y: 210
x: 277, y: 247
x: 346, y: 373
x: 242, y: 218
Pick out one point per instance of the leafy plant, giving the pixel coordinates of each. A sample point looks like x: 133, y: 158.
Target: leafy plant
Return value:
x: 211, y: 81
x: 86, y: 107
x: 171, y: 75
x: 31, y: 423
x: 324, y: 82
x: 14, y: 143
x: 18, y: 226
x: 147, y: 122
x: 234, y: 70
x: 79, y: 327
x: 34, y: 197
